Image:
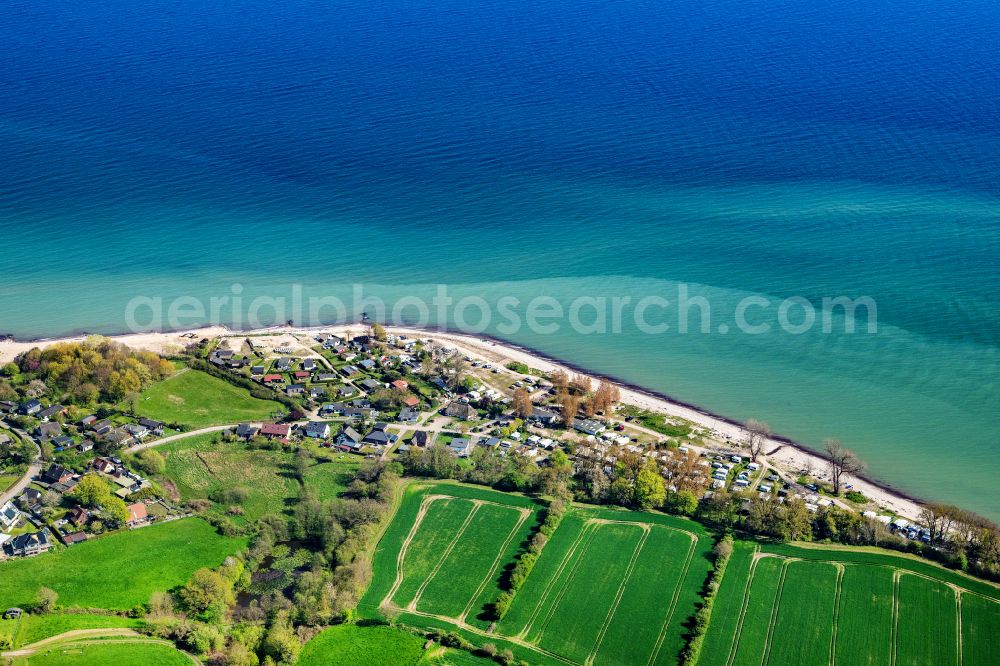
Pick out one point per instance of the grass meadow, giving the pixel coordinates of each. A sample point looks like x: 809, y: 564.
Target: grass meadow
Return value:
x: 204, y: 467
x: 138, y: 652
x: 120, y: 570
x: 197, y: 399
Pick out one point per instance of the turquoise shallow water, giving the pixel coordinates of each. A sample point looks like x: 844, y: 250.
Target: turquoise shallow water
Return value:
x: 554, y: 149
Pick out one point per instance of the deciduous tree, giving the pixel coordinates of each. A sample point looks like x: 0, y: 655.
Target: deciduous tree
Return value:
x: 842, y: 461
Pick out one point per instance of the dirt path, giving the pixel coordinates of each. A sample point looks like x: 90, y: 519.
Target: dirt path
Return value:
x: 183, y: 435
x: 66, y: 636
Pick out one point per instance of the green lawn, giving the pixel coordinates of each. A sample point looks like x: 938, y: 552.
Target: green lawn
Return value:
x: 101, y: 653
x: 197, y: 399
x: 350, y: 644
x: 118, y: 571
x: 7, y: 480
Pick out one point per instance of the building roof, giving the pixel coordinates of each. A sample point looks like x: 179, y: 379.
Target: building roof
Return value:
x: 275, y: 429
x: 137, y: 512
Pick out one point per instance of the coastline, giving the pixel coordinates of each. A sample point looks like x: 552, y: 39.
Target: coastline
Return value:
x: 781, y: 452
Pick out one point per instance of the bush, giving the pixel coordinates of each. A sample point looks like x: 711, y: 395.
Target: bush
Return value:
x: 722, y: 551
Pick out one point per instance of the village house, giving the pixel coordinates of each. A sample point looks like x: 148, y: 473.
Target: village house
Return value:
x: 273, y: 379
x: 56, y: 474
x: 544, y: 417
x: 27, y: 545
x: 301, y: 374
x: 154, y: 427
x: 118, y: 438
x: 317, y: 430
x: 283, y: 364
x: 420, y: 438
x: 589, y: 426
x: 401, y: 385
x: 407, y: 415
x: 309, y: 364
x: 347, y: 391
x: 461, y: 447
x: 370, y: 385
x: 317, y: 392
x: 350, y: 371
x: 102, y: 427
x: 136, y: 430
x: 295, y: 389
x: 380, y: 435
x: 246, y: 431
x: 30, y: 408
x: 256, y: 370
x: 326, y: 377
x: 137, y: 514
x: 30, y: 500
x: 48, y: 430
x: 49, y: 412
x: 272, y: 430
x: 349, y: 438
x: 411, y: 401
x: 78, y: 516
x: 9, y: 515
x: 460, y: 410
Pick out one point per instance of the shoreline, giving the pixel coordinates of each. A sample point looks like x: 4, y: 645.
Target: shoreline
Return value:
x: 780, y: 451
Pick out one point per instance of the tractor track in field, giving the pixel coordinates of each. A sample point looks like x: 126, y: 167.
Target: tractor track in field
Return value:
x: 738, y: 634
x: 485, y: 634
x: 896, y: 575
x: 836, y: 614
x: 766, y: 657
x: 674, y: 599
x: 496, y: 563
x: 569, y: 581
x: 417, y: 520
x: 646, y: 529
x: 444, y: 556
x: 584, y: 532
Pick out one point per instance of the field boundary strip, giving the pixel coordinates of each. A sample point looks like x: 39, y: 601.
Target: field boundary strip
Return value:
x: 584, y: 532
x: 775, y: 608
x: 486, y: 634
x: 447, y: 552
x: 646, y: 528
x: 496, y: 562
x: 675, y: 598
x: 836, y: 613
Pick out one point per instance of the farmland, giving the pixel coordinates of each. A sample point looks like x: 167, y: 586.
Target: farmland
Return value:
x: 120, y: 570
x: 783, y: 605
x: 610, y: 587
x: 197, y: 399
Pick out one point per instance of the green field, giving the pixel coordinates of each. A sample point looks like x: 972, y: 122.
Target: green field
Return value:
x: 784, y: 604
x: 197, y: 399
x: 198, y: 467
x: 611, y: 587
x: 120, y: 570
x: 350, y: 645
x: 134, y: 652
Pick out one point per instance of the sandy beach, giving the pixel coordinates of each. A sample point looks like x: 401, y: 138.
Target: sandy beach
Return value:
x: 781, y: 453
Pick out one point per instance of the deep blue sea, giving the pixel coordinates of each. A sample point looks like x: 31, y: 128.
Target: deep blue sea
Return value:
x: 762, y: 148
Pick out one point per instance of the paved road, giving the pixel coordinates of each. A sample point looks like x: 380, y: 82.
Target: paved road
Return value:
x: 34, y: 469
